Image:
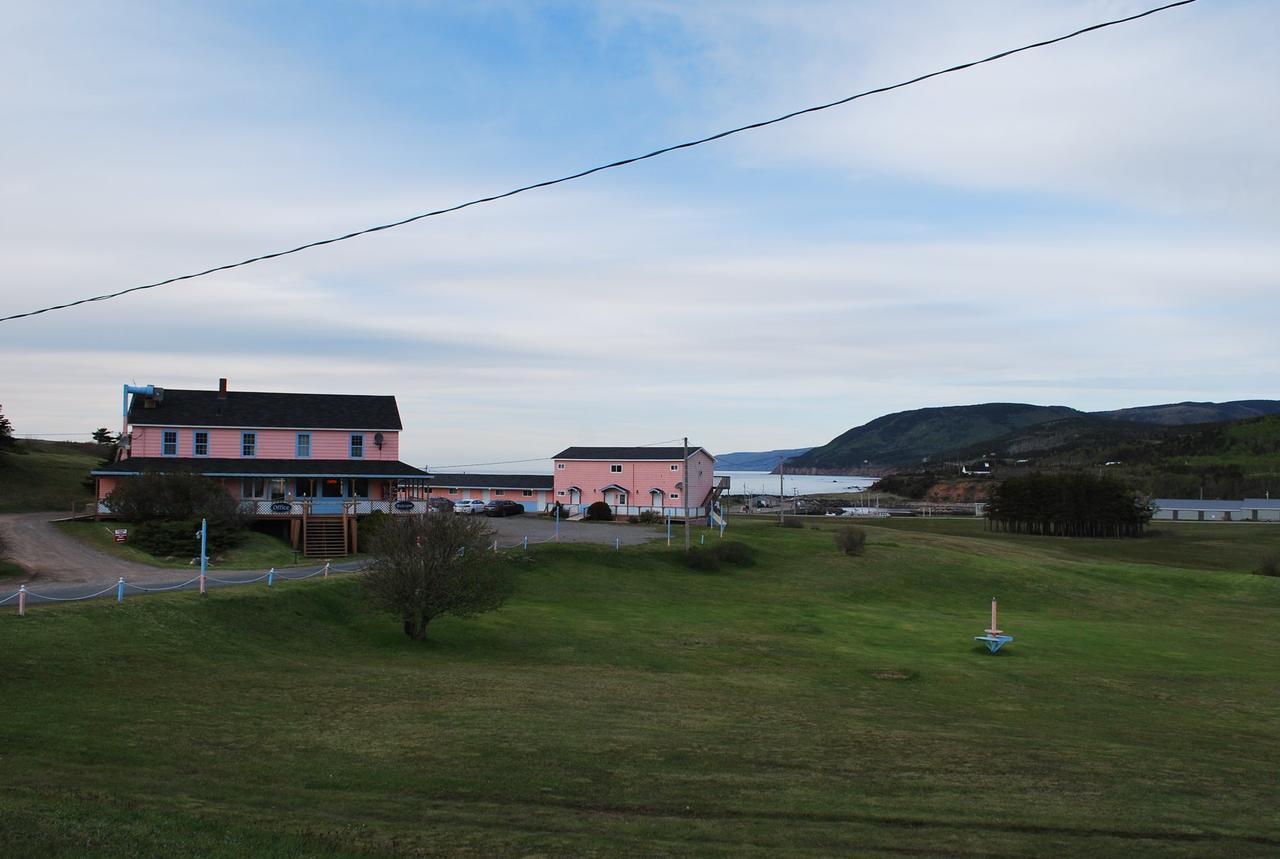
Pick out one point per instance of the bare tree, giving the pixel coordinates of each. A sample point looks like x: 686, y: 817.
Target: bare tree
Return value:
x: 434, y: 564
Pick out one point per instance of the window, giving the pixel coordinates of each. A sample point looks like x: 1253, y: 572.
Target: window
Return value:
x: 622, y: 498
x: 275, y: 488
x: 357, y: 445
x: 499, y: 492
x: 200, y: 443
x: 253, y: 487
x: 560, y: 465
x: 359, y: 487
x: 303, y: 447
x: 615, y: 469
x: 675, y: 468
x: 675, y: 495
x: 527, y: 493
x: 559, y: 493
x: 248, y: 444
x: 169, y: 443
x: 453, y: 491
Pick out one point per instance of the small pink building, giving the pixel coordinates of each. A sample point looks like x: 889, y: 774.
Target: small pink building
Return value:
x: 636, y: 479
x: 319, y: 460
x: 532, y: 491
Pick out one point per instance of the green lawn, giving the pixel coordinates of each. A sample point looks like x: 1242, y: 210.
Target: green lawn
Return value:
x: 257, y: 550
x: 50, y: 475
x: 814, y: 705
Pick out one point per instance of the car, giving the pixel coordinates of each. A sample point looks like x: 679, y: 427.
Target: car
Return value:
x: 439, y: 505
x: 468, y: 505
x: 503, y: 507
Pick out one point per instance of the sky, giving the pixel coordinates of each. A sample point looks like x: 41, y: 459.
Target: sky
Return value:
x: 1091, y: 224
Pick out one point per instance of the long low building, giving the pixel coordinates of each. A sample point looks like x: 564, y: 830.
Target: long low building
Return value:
x: 531, y: 490
x: 1201, y: 510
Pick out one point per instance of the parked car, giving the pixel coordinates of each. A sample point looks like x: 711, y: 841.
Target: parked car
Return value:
x: 503, y: 507
x: 439, y: 505
x: 468, y: 505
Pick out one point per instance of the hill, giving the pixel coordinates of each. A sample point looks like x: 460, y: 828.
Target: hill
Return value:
x: 764, y: 460
x: 47, y: 475
x: 1178, y: 414
x: 621, y: 704
x: 920, y: 436
x: 908, y: 438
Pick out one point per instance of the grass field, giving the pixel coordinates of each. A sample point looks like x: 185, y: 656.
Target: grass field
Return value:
x: 257, y: 551
x: 812, y: 705
x: 49, y: 475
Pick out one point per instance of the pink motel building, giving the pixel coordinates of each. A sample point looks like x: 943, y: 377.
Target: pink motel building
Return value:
x: 316, y: 461
x: 533, y: 491
x: 635, y: 479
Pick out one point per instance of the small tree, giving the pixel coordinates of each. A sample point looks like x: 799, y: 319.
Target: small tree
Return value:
x: 599, y: 511
x: 168, y: 509
x: 426, y: 566
x: 851, y: 540
x: 7, y: 441
x: 102, y: 435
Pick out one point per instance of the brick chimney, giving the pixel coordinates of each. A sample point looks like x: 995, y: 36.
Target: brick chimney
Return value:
x: 222, y: 389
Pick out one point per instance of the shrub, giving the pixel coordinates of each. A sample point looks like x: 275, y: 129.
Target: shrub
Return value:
x: 633, y: 519
x: 167, y: 538
x: 851, y: 540
x: 599, y: 512
x: 1269, y: 566
x: 792, y: 522
x: 700, y: 559
x: 648, y: 517
x: 734, y: 552
x: 372, y: 525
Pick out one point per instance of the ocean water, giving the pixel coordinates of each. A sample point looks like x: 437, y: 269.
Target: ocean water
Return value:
x: 763, y: 483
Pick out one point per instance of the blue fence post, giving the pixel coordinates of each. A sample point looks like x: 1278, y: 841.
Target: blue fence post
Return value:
x: 668, y: 530
x: 617, y: 543
x: 271, y: 576
x: 526, y: 542
x: 120, y: 590
x: 702, y: 539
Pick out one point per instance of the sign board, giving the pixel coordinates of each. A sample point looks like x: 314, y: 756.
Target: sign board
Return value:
x: 120, y: 535
x: 281, y: 507
x: 404, y: 505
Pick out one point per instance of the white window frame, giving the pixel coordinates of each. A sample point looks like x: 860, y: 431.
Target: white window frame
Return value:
x: 615, y: 469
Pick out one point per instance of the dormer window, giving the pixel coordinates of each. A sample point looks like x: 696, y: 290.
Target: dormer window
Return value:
x: 357, y: 445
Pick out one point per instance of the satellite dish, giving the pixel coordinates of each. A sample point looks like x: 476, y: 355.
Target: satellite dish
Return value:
x: 377, y: 439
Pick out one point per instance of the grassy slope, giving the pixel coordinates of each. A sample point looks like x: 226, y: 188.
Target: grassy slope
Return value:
x: 257, y: 550
x: 624, y: 704
x: 48, y: 477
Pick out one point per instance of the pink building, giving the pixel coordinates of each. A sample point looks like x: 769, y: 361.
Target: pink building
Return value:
x: 532, y: 491
x: 317, y: 460
x: 635, y: 479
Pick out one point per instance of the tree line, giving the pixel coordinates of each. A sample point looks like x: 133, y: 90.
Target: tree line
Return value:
x: 1075, y: 504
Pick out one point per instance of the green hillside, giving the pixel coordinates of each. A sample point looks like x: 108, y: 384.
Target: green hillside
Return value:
x: 812, y: 705
x: 47, y: 475
x: 907, y: 438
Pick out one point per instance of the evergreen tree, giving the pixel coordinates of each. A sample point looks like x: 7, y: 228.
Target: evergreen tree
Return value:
x: 7, y: 441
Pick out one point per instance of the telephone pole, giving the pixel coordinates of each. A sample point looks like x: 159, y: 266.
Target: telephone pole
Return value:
x: 684, y: 493
x: 782, y: 504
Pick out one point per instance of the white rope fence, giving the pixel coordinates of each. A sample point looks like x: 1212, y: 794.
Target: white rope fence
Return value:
x: 121, y: 586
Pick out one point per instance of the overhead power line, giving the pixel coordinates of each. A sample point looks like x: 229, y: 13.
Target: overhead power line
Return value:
x: 611, y: 165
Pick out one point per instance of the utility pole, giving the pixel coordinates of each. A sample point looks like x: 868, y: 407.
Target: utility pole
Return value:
x: 782, y: 469
x: 685, y: 494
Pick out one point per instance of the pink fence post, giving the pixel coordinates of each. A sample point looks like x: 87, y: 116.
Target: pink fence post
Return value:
x: 22, y: 601
x: 203, y: 592
x: 994, y: 630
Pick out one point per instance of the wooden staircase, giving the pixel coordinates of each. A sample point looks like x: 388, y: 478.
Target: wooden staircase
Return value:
x: 324, y: 536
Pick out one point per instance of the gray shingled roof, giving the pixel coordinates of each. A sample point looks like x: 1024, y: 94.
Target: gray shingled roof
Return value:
x: 262, y: 409
x: 617, y: 453
x: 253, y: 467
x: 492, y: 481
